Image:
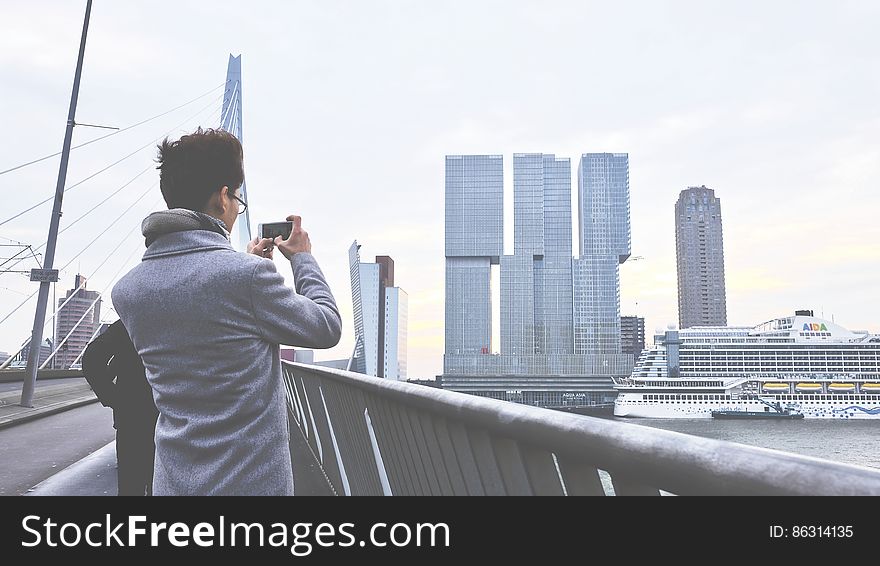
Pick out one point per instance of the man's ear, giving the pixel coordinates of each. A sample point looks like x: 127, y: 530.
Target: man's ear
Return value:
x: 224, y: 198
x: 218, y: 201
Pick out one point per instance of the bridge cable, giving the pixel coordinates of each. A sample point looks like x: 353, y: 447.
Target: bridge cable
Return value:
x: 88, y: 212
x: 113, y: 133
x: 32, y: 295
x: 93, y: 175
x: 73, y: 294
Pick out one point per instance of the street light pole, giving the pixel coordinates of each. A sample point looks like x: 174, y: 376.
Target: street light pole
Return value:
x: 30, y: 380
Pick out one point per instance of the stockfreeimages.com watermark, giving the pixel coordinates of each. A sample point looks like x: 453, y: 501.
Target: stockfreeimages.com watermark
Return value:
x: 300, y: 538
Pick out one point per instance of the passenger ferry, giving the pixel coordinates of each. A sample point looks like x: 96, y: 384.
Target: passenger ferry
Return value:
x: 802, y: 363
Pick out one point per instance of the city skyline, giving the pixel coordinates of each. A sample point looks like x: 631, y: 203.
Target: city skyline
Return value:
x: 763, y: 112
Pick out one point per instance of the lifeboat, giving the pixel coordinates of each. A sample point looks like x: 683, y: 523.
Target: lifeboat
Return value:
x: 775, y: 386
x: 870, y: 388
x: 808, y: 387
x: 842, y: 387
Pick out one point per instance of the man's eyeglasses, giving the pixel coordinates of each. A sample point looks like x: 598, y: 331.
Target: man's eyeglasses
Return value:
x: 242, y: 206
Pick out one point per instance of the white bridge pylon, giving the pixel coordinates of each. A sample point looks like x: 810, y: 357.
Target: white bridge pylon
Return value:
x: 230, y: 120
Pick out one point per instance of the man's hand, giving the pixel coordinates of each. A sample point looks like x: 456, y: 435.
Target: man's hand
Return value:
x: 298, y: 240
x: 262, y: 247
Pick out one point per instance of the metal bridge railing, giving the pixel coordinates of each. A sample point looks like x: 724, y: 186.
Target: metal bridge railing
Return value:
x: 380, y: 437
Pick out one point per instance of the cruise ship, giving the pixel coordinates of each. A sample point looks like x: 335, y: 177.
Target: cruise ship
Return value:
x: 799, y: 363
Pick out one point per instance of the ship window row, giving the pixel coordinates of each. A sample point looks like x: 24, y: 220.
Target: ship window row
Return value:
x: 850, y: 357
x: 685, y: 383
x: 823, y: 397
x: 806, y: 397
x: 687, y: 397
x: 789, y: 347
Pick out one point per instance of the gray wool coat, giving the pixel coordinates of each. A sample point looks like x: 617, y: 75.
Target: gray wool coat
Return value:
x: 207, y: 322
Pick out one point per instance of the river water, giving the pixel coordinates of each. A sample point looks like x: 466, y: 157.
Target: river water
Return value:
x: 850, y: 442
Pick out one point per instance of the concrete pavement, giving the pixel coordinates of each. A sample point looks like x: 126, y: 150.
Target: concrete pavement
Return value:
x: 64, y: 445
x: 49, y: 398
x: 32, y: 451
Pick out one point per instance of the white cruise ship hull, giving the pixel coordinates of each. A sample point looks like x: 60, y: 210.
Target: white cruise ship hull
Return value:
x: 631, y: 406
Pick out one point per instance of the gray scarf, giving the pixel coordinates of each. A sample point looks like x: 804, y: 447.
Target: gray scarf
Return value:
x: 180, y: 220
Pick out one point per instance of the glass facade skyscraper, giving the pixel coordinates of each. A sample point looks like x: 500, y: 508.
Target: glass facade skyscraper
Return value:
x: 538, y: 363
x: 536, y: 286
x: 474, y: 241
x: 603, y: 203
x: 699, y: 249
x: 395, y: 333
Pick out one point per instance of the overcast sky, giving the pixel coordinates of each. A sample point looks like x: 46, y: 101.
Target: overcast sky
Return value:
x: 350, y: 108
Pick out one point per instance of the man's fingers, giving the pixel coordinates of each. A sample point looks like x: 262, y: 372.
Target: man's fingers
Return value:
x: 297, y: 220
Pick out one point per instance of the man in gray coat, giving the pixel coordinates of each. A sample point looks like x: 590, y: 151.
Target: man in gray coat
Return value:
x: 208, y: 320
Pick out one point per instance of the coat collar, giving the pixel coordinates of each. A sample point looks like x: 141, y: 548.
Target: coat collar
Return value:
x: 188, y: 241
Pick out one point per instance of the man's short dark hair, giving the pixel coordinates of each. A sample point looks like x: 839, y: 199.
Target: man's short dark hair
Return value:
x: 198, y: 164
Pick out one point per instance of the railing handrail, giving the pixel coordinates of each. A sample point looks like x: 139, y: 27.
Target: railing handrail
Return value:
x: 671, y: 461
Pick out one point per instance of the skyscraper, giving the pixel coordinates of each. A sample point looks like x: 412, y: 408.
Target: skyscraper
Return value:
x: 386, y: 280
x: 603, y: 203
x: 543, y: 289
x: 536, y: 288
x: 474, y: 242
x: 632, y: 335
x: 395, y: 334
x: 699, y: 248
x: 380, y: 317
x: 354, y: 262
x: 79, y: 318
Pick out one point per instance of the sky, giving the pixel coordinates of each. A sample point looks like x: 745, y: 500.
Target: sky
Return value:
x: 350, y: 107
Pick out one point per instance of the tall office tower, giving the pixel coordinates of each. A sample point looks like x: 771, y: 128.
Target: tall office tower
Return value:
x: 632, y: 335
x: 365, y: 284
x: 380, y: 317
x: 386, y: 280
x: 395, y: 333
x: 699, y: 248
x: 474, y: 242
x: 79, y: 318
x: 603, y: 203
x: 536, y: 286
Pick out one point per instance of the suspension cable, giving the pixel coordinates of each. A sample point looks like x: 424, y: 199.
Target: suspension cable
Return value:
x: 91, y: 306
x: 118, y: 218
x: 93, y: 175
x: 90, y: 211
x: 73, y: 294
x: 113, y: 133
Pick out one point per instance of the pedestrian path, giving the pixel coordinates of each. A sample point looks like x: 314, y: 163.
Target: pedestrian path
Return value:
x: 47, y: 400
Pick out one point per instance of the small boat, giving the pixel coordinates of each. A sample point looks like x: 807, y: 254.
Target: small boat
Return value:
x: 775, y: 386
x: 842, y: 387
x: 870, y: 388
x: 808, y: 387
